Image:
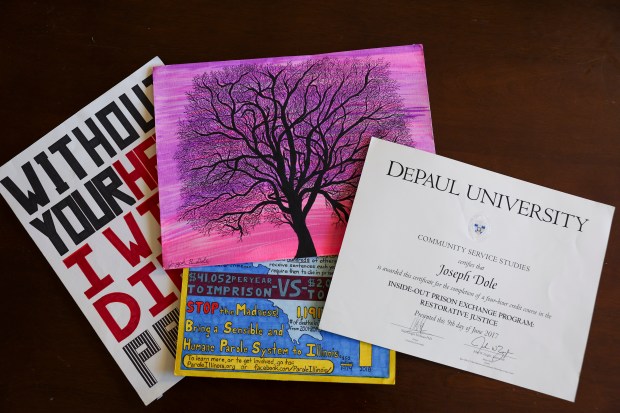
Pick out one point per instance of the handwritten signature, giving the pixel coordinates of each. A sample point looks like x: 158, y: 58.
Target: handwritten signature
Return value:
x: 189, y: 262
x: 417, y: 329
x: 417, y: 326
x: 494, y: 352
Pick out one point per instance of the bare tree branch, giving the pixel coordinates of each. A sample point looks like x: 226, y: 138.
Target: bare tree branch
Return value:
x: 262, y: 143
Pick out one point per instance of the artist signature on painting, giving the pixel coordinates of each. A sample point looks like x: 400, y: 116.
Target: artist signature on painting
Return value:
x: 191, y: 262
x: 490, y: 352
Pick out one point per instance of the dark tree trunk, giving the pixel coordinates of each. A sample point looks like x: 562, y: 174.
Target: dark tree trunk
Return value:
x: 305, y: 246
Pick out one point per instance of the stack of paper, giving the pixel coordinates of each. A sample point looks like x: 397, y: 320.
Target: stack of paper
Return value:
x: 258, y: 169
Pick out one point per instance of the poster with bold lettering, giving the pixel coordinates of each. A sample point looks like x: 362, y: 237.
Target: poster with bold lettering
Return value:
x: 261, y: 321
x: 259, y: 159
x: 87, y: 194
x: 469, y: 268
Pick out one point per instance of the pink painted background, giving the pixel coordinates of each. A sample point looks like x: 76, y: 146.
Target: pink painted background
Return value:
x: 184, y: 247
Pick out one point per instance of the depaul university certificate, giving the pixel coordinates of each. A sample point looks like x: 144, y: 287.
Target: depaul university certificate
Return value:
x: 469, y: 268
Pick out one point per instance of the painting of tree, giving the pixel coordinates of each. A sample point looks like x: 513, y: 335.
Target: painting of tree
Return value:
x: 262, y: 143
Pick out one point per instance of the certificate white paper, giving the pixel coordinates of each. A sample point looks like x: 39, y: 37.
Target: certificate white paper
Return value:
x: 469, y: 268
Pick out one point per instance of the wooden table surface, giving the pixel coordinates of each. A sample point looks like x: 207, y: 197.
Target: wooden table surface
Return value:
x: 523, y: 88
